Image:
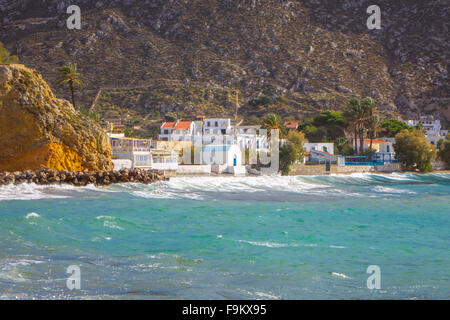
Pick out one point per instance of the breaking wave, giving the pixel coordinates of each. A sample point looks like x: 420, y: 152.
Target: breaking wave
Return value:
x: 272, y: 188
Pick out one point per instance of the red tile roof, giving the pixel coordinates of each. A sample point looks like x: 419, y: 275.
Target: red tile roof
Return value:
x: 168, y: 125
x: 183, y: 125
x: 375, y: 141
x: 291, y: 124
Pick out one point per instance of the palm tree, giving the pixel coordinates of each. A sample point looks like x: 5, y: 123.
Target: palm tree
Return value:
x: 357, y: 118
x: 69, y: 74
x: 374, y: 125
x: 271, y: 122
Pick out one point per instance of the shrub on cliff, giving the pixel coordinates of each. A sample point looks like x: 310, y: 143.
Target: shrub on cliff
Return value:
x: 6, y: 57
x: 413, y: 151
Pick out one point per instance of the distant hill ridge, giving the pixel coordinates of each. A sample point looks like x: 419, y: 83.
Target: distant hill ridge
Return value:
x: 187, y: 57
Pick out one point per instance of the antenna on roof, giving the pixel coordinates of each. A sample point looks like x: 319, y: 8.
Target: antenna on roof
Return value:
x: 237, y: 105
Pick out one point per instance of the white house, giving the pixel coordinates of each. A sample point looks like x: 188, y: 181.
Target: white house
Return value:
x: 177, y: 131
x: 217, y: 126
x: 327, y: 147
x: 223, y: 158
x: 136, y: 150
x: 383, y: 147
x: 432, y: 128
x: 139, y: 154
x: 164, y: 160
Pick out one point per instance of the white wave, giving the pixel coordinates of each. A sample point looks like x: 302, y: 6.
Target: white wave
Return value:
x: 26, y: 191
x: 382, y: 189
x: 10, y: 269
x: 265, y: 244
x: 32, y: 215
x: 336, y: 247
x: 109, y: 222
x: 340, y: 275
x: 266, y: 295
x: 32, y: 191
x: 196, y: 187
x: 260, y: 294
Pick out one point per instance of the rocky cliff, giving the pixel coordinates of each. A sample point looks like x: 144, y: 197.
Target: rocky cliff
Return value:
x: 184, y: 56
x: 38, y: 130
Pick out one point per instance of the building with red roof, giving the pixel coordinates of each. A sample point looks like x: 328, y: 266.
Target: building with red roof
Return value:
x: 291, y: 124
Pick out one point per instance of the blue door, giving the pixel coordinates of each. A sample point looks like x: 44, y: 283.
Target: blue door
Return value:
x: 234, y: 161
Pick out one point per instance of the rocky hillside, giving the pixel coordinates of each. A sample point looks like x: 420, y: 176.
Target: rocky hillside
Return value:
x: 186, y: 56
x: 38, y: 130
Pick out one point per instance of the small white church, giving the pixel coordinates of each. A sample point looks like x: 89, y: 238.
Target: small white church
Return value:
x: 223, y: 159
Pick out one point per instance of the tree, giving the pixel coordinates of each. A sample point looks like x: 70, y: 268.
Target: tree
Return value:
x: 171, y: 116
x: 444, y: 149
x: 343, y: 147
x: 288, y: 155
x: 356, y: 115
x: 312, y: 132
x: 271, y: 122
x: 413, y: 151
x: 374, y: 128
x: 292, y: 151
x: 393, y: 126
x: 262, y: 100
x: 298, y: 139
x: 332, y: 123
x: 69, y: 74
x: 6, y: 57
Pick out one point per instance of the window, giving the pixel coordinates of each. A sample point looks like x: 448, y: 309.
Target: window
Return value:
x: 166, y: 131
x: 216, y: 124
x: 387, y: 148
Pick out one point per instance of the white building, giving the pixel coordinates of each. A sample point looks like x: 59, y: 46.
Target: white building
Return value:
x: 223, y: 159
x: 164, y: 160
x: 432, y: 128
x: 141, y: 155
x: 217, y: 126
x: 216, y: 131
x: 136, y: 150
x: 178, y: 131
x: 327, y: 147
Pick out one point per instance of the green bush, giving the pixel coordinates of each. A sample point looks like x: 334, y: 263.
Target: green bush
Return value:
x: 6, y: 57
x: 262, y: 100
x: 413, y: 151
x: 444, y: 150
x: 392, y: 127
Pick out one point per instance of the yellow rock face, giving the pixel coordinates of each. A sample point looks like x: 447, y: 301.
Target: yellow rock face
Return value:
x: 38, y: 130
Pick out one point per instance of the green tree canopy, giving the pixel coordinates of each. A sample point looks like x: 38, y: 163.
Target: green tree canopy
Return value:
x: 330, y: 125
x: 413, y: 151
x: 444, y: 150
x: 393, y: 126
x: 69, y: 75
x: 6, y: 57
x: 293, y: 150
x: 261, y: 100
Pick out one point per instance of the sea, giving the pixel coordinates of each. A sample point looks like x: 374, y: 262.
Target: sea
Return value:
x: 357, y: 236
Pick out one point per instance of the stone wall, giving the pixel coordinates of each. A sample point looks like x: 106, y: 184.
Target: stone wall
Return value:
x: 302, y: 169
x: 194, y: 169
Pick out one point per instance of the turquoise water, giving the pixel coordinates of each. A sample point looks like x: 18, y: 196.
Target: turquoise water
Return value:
x: 230, y: 238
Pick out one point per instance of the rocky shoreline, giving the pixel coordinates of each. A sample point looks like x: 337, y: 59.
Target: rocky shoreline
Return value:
x: 81, y: 178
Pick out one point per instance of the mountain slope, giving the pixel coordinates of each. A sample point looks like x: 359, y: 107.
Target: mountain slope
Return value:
x: 154, y: 57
